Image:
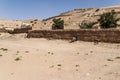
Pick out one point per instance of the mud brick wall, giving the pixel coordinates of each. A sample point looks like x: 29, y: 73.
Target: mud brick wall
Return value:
x: 106, y: 35
x: 2, y: 30
x: 20, y: 30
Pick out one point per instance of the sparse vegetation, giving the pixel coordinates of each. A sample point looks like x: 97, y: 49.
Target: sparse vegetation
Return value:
x: 58, y: 24
x: 59, y: 65
x: 77, y: 70
x: 117, y: 57
x: 91, y: 51
x: 18, y: 51
x: 50, y: 53
x: 26, y: 51
x: 86, y: 25
x: 109, y: 60
x: 78, y: 53
x: 108, y: 20
x: 77, y: 65
x: 3, y: 49
x: 1, y: 55
x: 17, y: 59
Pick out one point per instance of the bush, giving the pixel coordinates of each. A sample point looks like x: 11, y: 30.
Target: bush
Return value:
x: 58, y: 24
x: 86, y: 25
x: 3, y: 49
x: 17, y: 59
x: 108, y: 20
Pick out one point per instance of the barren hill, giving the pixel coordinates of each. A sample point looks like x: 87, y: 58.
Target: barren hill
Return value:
x: 74, y: 17
x: 71, y: 18
x: 10, y: 23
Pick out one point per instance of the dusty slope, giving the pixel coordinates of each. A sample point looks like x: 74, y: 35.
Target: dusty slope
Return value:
x: 10, y: 23
x: 74, y: 18
x: 41, y: 59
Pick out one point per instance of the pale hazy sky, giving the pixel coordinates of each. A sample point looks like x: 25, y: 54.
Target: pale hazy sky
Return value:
x: 29, y: 9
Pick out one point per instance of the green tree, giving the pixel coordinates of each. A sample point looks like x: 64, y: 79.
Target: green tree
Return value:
x: 108, y: 20
x: 58, y: 24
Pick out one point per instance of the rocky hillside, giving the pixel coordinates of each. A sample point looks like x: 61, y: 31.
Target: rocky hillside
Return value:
x: 74, y: 18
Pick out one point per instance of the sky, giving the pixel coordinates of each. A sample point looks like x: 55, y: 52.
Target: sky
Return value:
x: 41, y: 9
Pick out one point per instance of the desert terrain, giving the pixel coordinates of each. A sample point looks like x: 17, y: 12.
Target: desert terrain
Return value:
x: 72, y: 19
x: 42, y: 59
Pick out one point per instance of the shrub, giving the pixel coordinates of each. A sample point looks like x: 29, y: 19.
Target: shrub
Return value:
x: 58, y: 24
x: 17, y: 59
x: 117, y: 57
x: 59, y: 65
x: 108, y: 20
x: 1, y: 55
x: 3, y: 49
x: 86, y: 25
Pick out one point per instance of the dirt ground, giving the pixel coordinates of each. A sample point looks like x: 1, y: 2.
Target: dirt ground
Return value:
x: 42, y: 59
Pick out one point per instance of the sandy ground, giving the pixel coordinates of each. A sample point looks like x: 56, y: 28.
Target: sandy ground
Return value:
x: 41, y: 59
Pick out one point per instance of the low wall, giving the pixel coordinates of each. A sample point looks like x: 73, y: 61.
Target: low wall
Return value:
x: 2, y: 30
x: 83, y: 35
x: 20, y: 30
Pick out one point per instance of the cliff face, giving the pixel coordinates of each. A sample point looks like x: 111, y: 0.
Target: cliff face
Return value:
x: 74, y: 18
